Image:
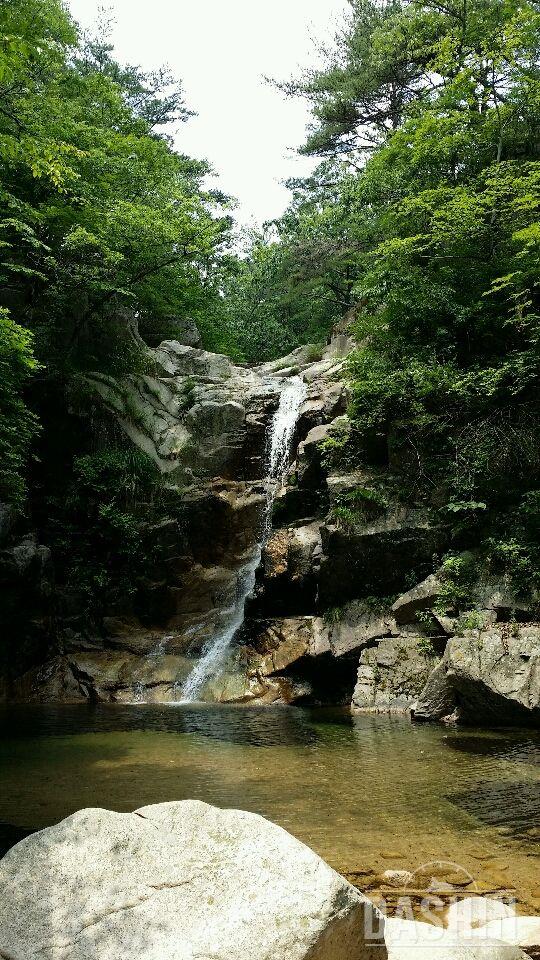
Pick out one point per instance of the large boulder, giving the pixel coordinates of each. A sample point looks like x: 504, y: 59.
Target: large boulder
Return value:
x: 357, y: 625
x: 421, y: 597
x: 177, y: 881
x: 521, y: 932
x: 437, y: 700
x: 488, y: 676
x: 472, y: 912
x: 392, y: 674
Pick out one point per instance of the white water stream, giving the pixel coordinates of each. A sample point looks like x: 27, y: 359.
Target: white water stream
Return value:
x: 279, y: 441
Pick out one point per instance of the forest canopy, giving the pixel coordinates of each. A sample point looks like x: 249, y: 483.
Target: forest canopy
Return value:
x: 104, y: 226
x: 420, y: 220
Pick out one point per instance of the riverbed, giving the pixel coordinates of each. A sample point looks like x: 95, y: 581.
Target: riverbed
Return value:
x: 368, y: 793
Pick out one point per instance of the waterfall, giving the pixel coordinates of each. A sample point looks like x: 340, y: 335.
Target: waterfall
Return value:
x: 278, y: 450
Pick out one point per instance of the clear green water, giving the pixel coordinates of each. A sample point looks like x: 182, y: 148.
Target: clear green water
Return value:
x: 367, y: 793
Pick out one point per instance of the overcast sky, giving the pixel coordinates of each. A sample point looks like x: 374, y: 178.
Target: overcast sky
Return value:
x: 222, y: 49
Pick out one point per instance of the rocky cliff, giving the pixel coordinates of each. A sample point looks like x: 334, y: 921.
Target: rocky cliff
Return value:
x: 347, y: 607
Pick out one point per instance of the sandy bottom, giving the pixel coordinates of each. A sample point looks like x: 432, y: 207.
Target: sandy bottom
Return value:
x: 369, y: 794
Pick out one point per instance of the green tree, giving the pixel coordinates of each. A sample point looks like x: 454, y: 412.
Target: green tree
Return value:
x: 18, y: 425
x: 425, y: 214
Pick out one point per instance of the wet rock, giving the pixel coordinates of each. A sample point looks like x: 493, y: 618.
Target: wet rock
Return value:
x: 178, y: 880
x: 104, y: 676
x: 392, y: 674
x: 241, y: 682
x: 287, y: 580
x: 280, y: 643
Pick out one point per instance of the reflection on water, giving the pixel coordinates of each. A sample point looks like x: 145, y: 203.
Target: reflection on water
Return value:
x: 367, y: 793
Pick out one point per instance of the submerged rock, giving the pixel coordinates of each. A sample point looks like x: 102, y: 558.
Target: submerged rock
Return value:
x: 177, y: 881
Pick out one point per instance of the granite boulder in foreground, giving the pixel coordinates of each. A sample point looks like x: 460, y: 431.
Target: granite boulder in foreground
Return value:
x: 178, y: 881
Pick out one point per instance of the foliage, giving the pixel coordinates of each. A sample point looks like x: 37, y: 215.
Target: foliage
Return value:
x: 472, y: 620
x: 97, y: 532
x: 357, y: 505
x: 424, y: 215
x: 18, y: 425
x: 333, y: 615
x: 457, y: 574
x: 425, y: 646
x: 103, y: 226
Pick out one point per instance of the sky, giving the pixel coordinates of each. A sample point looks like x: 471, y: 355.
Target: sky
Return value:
x: 222, y: 50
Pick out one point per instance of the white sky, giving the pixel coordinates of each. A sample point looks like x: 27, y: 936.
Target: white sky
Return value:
x: 221, y: 50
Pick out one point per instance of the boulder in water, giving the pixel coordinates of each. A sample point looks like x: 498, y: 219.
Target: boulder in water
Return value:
x: 489, y: 675
x: 519, y: 931
x: 177, y: 881
x: 472, y: 912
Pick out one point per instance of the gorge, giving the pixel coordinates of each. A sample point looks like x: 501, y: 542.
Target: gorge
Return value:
x: 270, y: 494
x: 276, y: 576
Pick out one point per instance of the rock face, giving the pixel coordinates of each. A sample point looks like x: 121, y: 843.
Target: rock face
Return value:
x: 346, y: 607
x: 493, y: 674
x: 376, y: 557
x: 197, y: 415
x: 177, y: 881
x: 392, y: 675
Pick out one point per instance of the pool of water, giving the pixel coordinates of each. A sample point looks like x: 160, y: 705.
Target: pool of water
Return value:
x: 367, y: 793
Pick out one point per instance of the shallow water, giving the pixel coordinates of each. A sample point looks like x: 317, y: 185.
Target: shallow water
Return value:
x: 367, y: 793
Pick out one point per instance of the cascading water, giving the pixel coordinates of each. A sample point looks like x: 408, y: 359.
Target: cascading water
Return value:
x: 279, y: 441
